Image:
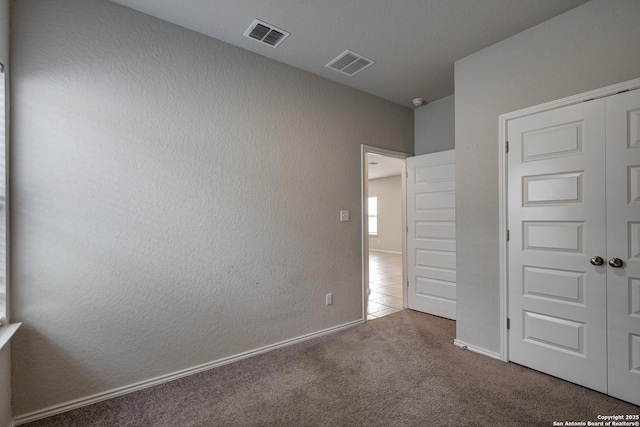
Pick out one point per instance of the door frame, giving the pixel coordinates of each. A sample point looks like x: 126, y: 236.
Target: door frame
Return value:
x: 364, y: 223
x: 503, y: 214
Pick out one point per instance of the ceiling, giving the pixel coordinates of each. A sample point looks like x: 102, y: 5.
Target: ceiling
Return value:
x: 413, y: 42
x: 383, y: 166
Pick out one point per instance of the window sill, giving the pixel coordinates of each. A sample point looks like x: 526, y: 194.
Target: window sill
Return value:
x: 6, y: 332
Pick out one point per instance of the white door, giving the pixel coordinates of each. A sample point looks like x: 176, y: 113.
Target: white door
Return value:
x: 431, y: 228
x: 574, y: 251
x: 623, y: 242
x: 557, y: 298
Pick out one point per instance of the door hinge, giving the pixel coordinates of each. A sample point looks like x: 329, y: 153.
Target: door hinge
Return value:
x: 407, y: 283
x: 508, y: 235
x: 506, y: 143
x: 508, y: 323
x: 407, y: 229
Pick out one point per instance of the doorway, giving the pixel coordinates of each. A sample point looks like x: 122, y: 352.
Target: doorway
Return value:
x: 383, y: 237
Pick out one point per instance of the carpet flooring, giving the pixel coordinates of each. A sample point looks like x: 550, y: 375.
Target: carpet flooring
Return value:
x: 398, y: 370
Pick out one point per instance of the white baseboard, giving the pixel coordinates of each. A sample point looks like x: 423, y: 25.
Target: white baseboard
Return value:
x: 386, y: 252
x: 110, y: 394
x: 475, y: 349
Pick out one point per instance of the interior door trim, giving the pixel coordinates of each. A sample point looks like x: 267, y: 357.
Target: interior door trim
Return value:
x: 503, y: 121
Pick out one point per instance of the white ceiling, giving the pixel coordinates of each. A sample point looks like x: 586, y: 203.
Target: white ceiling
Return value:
x: 383, y: 166
x: 414, y: 42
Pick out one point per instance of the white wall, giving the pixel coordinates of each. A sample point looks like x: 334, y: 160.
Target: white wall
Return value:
x: 176, y: 199
x: 5, y: 353
x: 435, y: 126
x: 589, y: 47
x: 5, y: 385
x: 4, y: 31
x: 389, y: 193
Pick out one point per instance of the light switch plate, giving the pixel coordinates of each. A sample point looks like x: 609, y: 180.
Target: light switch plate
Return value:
x: 344, y: 216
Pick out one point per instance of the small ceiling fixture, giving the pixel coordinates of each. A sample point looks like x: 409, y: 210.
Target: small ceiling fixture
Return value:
x: 350, y: 63
x: 266, y: 33
x: 418, y: 102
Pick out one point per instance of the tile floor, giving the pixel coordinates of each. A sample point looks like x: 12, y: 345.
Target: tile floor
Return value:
x: 385, y: 281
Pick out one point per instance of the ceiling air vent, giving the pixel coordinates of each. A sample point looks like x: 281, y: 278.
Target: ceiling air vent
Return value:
x: 350, y: 63
x: 266, y: 33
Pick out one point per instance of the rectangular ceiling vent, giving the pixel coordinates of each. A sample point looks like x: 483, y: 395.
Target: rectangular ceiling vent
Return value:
x: 350, y: 63
x: 266, y: 33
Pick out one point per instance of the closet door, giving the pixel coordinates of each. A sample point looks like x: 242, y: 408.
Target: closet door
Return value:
x: 557, y: 298
x: 623, y: 243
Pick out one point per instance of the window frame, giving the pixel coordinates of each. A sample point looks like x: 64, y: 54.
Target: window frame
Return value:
x: 372, y: 215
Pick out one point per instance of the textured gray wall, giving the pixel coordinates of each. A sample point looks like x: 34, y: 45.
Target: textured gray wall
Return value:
x: 176, y: 199
x: 389, y: 193
x: 589, y: 47
x: 435, y: 126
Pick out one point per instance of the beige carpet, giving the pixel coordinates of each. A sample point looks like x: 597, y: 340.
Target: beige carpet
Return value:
x: 399, y: 370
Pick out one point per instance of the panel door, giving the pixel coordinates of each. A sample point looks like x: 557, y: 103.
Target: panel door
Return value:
x: 623, y: 242
x: 556, y: 201
x: 431, y: 242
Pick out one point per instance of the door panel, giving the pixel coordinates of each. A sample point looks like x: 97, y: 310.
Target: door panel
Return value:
x: 431, y: 228
x: 623, y: 241
x: 557, y: 299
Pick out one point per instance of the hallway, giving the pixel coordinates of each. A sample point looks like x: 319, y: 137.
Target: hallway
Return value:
x: 385, y: 282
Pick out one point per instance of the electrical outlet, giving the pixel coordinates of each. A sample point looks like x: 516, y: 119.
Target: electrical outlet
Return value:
x: 329, y: 299
x: 344, y: 216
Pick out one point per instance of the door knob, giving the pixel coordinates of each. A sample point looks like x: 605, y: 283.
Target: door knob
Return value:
x: 596, y: 260
x: 615, y: 262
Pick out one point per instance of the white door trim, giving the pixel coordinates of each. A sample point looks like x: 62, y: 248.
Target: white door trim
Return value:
x: 364, y: 190
x: 503, y: 120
